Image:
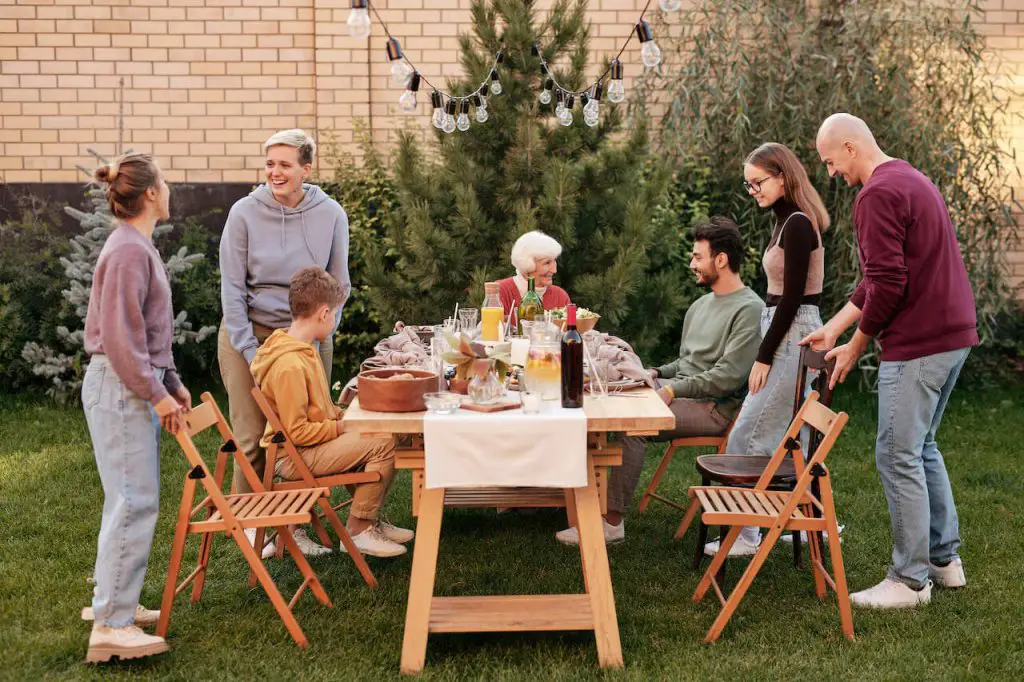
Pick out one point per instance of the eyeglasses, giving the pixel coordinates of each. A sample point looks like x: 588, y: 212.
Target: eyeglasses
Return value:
x: 754, y: 186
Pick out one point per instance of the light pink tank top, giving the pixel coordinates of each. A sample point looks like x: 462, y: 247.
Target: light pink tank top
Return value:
x: 774, y: 262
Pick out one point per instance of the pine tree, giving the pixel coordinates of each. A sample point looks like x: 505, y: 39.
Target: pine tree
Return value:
x: 465, y: 200
x: 64, y: 369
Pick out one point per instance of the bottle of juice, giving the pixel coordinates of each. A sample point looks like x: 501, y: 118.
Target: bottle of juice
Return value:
x: 492, y: 313
x: 531, y: 307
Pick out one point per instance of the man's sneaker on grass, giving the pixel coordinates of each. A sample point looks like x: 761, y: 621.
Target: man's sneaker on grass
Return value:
x: 742, y: 547
x: 950, y: 576
x: 788, y: 536
x: 394, y: 533
x: 123, y: 643
x: 143, y: 616
x: 373, y: 542
x: 893, y: 594
x: 268, y: 547
x: 306, y: 544
x: 613, y: 535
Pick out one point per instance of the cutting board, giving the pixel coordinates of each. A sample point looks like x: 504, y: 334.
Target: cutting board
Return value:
x: 499, y: 406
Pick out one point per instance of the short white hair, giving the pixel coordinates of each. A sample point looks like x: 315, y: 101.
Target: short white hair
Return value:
x: 296, y: 138
x: 530, y: 248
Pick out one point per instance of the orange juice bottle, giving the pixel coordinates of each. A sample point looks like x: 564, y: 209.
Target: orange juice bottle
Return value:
x: 492, y: 314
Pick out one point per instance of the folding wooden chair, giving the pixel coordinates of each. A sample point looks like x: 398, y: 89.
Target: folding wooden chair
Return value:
x: 281, y: 440
x: 232, y: 515
x: 717, y: 442
x: 779, y: 511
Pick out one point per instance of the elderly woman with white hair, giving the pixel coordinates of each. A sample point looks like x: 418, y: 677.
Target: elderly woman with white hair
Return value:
x: 534, y: 255
x: 283, y: 226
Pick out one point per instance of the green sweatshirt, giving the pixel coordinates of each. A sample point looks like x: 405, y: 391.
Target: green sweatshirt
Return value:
x: 721, y: 335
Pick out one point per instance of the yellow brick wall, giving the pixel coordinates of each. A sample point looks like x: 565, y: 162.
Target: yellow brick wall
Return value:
x: 207, y: 81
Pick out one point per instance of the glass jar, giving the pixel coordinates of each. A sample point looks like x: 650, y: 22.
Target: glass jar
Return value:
x: 485, y: 387
x: 492, y: 314
x: 544, y: 359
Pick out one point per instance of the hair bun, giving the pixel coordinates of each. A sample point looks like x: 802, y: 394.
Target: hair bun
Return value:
x: 106, y: 173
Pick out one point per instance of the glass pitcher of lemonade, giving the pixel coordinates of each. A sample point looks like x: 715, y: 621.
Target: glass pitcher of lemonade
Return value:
x: 544, y: 359
x: 492, y: 314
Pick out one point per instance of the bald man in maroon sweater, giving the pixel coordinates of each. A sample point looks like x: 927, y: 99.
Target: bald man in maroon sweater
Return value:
x: 915, y: 299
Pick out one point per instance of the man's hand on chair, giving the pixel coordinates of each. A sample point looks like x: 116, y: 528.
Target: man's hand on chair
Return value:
x: 170, y: 413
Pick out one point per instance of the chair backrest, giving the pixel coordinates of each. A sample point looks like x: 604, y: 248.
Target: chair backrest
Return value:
x: 200, y: 418
x: 823, y: 422
x: 814, y: 359
x: 281, y: 439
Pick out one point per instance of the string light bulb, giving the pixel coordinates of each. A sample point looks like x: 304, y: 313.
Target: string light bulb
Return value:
x: 401, y: 72
x: 484, y: 89
x: 669, y: 5
x: 448, y: 125
x: 591, y: 108
x: 407, y: 102
x: 566, y: 116
x: 650, y: 53
x: 616, y: 90
x: 545, y: 94
x: 560, y: 103
x: 359, y: 20
x: 463, y: 122
x: 496, y: 88
x: 481, y: 110
x: 437, y: 119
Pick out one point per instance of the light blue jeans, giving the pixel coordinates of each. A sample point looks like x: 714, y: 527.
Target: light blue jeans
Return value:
x: 765, y: 415
x: 125, y: 435
x: 912, y: 396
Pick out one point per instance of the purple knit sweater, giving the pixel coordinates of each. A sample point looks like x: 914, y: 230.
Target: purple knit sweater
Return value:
x: 129, y: 318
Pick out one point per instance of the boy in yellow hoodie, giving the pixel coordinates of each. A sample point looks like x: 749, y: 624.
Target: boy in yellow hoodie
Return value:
x: 288, y: 370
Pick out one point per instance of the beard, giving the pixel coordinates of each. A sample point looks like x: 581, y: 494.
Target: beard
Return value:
x: 706, y: 277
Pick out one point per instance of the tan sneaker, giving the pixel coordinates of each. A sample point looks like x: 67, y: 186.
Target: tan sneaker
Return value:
x: 372, y: 542
x: 394, y: 533
x: 123, y: 643
x: 143, y: 616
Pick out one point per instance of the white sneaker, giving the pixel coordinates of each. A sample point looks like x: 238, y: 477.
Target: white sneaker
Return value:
x: 143, y: 616
x: 739, y: 548
x: 892, y: 594
x: 268, y: 547
x: 306, y: 545
x: 788, y: 536
x: 124, y: 643
x: 373, y: 542
x: 394, y: 533
x: 613, y: 535
x: 950, y: 576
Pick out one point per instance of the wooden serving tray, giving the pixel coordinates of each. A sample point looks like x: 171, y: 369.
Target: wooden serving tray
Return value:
x: 494, y: 407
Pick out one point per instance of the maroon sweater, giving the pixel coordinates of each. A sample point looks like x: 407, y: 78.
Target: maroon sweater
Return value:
x: 129, y: 318
x: 915, y: 296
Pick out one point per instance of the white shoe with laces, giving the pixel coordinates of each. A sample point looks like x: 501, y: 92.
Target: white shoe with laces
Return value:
x: 892, y: 594
x: 788, y: 536
x: 123, y: 643
x: 613, y: 535
x: 739, y: 548
x: 307, y: 545
x: 951, y: 576
x: 394, y: 533
x: 143, y: 616
x: 373, y: 542
x: 268, y: 547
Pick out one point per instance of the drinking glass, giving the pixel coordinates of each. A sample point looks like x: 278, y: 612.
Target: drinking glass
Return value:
x: 468, y: 318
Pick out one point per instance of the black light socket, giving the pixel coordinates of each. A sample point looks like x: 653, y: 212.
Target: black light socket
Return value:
x: 484, y: 89
x: 549, y: 84
x: 643, y: 31
x: 501, y: 57
x: 569, y: 101
x: 559, y: 95
x: 494, y: 74
x: 394, y: 49
x: 616, y: 70
x: 450, y: 109
x: 414, y: 82
x: 584, y: 98
x: 544, y: 68
x: 359, y: 4
x: 535, y: 50
x: 598, y: 91
x: 435, y: 99
x: 477, y: 102
x: 464, y: 109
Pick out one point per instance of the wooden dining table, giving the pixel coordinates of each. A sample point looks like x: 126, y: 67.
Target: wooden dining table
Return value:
x: 637, y: 413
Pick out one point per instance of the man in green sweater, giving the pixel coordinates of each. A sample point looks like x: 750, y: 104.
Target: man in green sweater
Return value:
x: 704, y: 388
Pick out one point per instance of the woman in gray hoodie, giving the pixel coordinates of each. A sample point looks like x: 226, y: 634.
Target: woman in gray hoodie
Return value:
x: 281, y: 227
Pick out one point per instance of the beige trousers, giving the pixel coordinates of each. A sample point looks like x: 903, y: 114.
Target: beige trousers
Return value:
x: 247, y: 422
x: 348, y: 452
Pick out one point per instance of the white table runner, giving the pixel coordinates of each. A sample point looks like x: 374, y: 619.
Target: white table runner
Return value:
x: 472, y: 449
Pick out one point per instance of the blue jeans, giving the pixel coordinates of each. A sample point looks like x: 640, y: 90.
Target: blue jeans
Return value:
x: 125, y: 434
x: 912, y: 396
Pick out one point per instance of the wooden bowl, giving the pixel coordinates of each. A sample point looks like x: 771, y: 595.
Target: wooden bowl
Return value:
x: 379, y: 393
x: 582, y: 325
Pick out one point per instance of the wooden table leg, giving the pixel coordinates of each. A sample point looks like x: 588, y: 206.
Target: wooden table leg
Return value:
x: 598, y: 574
x: 421, y: 582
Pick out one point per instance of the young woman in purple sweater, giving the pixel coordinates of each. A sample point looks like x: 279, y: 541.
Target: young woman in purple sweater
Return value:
x: 131, y: 389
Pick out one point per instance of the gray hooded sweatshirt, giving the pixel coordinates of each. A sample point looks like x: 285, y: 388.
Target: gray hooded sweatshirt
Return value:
x: 264, y: 243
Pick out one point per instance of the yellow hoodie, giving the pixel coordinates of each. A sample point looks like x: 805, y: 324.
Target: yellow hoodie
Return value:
x: 290, y: 374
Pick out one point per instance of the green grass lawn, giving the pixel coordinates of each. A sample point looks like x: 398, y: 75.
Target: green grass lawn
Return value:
x: 50, y: 502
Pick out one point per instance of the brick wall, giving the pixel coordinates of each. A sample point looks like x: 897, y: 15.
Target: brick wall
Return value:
x: 207, y: 81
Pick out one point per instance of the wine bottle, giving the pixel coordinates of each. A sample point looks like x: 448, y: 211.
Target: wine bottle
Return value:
x: 572, y: 361
x: 531, y: 307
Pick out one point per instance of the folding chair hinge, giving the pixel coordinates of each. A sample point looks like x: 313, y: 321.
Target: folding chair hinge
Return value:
x: 818, y: 471
x: 229, y: 446
x: 278, y: 438
x: 792, y: 444
x: 197, y: 473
